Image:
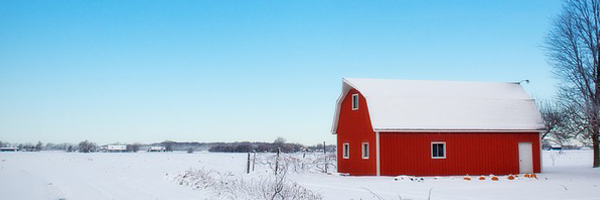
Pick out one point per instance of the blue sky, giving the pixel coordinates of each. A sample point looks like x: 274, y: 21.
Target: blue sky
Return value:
x: 146, y: 71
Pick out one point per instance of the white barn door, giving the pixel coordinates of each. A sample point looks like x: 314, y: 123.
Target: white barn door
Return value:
x: 525, y: 158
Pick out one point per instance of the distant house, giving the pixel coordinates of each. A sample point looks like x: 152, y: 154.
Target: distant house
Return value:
x: 431, y: 128
x: 8, y: 149
x: 157, y: 149
x: 115, y: 148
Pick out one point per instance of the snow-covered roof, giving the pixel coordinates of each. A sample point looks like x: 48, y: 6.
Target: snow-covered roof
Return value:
x: 407, y: 105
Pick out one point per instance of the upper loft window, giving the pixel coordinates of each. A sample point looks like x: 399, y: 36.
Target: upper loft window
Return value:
x: 354, y: 101
x: 438, y: 150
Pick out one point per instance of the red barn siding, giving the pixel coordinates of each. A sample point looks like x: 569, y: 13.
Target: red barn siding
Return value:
x: 466, y: 153
x: 354, y: 127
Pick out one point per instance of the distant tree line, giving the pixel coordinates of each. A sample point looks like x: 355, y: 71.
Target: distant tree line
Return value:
x: 84, y: 146
x: 256, y: 147
x: 24, y: 147
x: 278, y: 144
x: 87, y: 146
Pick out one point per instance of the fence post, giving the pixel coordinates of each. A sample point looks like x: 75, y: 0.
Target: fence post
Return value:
x: 254, y: 161
x: 248, y: 164
x: 277, y: 160
x: 303, y: 158
x: 325, y: 152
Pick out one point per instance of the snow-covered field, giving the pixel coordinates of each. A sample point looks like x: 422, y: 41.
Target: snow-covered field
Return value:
x: 150, y: 176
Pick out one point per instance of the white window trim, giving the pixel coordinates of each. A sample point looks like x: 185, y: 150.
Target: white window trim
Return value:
x: 345, y: 155
x: 357, y: 101
x: 431, y: 149
x: 363, y: 150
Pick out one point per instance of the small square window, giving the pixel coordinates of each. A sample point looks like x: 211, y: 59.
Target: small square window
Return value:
x: 365, y: 150
x: 355, y: 102
x: 346, y: 149
x: 438, y: 150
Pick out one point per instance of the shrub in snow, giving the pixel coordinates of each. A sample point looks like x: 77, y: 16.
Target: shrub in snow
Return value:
x: 228, y: 186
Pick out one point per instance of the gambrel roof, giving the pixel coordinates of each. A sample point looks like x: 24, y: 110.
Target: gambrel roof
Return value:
x: 445, y: 106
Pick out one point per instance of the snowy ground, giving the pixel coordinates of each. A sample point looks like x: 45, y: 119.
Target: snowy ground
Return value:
x: 132, y: 176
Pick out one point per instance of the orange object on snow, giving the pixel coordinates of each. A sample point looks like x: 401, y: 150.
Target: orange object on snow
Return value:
x: 494, y: 178
x: 482, y: 178
x: 467, y: 178
x: 526, y: 176
x: 533, y: 176
x: 511, y: 177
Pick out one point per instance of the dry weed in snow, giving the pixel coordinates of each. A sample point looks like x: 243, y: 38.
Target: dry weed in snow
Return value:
x: 300, y: 162
x: 228, y: 186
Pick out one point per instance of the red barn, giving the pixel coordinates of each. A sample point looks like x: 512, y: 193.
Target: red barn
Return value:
x: 433, y: 128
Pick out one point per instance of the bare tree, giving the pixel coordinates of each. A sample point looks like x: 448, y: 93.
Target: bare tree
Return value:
x: 168, y: 144
x: 135, y: 147
x: 39, y: 146
x: 279, y: 140
x: 87, y: 146
x: 574, y: 51
x: 557, y: 127
x: 553, y: 118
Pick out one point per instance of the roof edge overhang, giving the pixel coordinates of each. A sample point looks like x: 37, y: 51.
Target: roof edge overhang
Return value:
x: 346, y: 86
x: 383, y: 130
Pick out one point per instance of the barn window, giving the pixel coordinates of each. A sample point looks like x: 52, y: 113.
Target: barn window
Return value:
x: 365, y: 150
x: 438, y: 150
x: 346, y: 150
x: 355, y: 102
